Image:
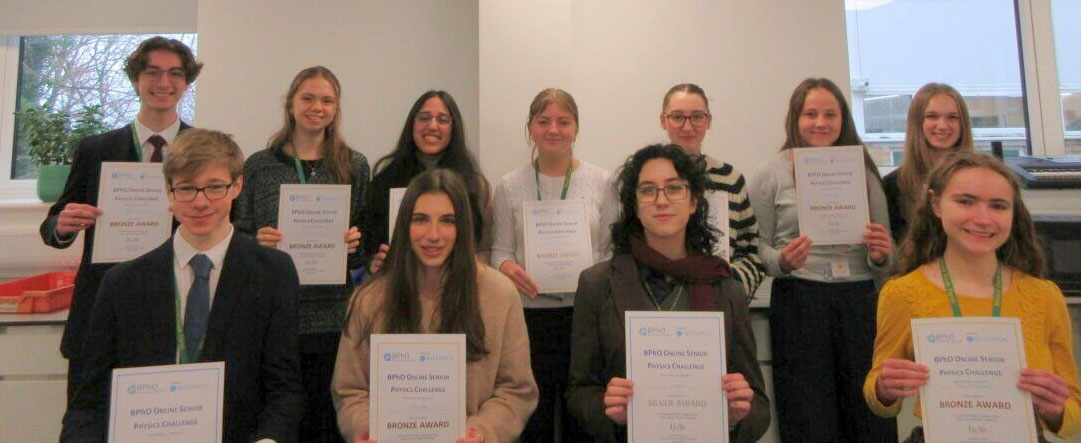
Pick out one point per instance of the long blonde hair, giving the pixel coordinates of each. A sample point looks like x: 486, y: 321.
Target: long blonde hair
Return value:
x: 338, y: 155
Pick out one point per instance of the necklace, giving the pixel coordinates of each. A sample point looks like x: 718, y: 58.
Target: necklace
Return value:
x: 649, y: 292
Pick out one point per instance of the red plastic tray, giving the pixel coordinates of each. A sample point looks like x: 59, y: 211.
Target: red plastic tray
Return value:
x: 46, y: 292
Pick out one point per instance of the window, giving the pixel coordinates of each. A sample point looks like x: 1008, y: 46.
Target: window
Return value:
x: 1065, y: 16
x: 897, y: 46
x: 70, y: 72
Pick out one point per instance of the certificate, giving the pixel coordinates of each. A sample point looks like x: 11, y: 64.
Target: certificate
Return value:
x: 135, y: 215
x: 718, y: 218
x: 557, y: 243
x: 313, y: 220
x: 171, y: 403
x: 676, y: 361
x: 831, y: 190
x: 394, y: 205
x: 417, y: 387
x: 972, y: 395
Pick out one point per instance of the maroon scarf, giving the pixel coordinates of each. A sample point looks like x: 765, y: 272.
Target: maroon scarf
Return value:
x: 698, y: 269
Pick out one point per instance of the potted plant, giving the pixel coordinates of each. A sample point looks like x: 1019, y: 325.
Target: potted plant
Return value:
x: 52, y: 138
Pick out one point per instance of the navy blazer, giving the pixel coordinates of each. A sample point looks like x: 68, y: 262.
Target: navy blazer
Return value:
x: 117, y: 145
x: 252, y: 328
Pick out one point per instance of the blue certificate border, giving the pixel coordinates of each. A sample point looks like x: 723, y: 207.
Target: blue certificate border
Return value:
x: 112, y: 406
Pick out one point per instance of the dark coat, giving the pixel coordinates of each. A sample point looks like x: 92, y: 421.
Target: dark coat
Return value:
x: 117, y: 145
x: 605, y: 292
x: 252, y: 328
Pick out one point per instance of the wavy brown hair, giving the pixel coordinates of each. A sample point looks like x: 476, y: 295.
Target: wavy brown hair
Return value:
x: 925, y: 240
x: 338, y: 156
x: 848, y: 137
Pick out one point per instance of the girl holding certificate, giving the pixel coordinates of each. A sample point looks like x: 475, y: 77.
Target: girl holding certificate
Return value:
x: 822, y: 297
x: 556, y: 174
x: 309, y: 148
x: 433, y: 136
x: 663, y: 261
x: 685, y: 117
x: 938, y: 124
x: 432, y: 283
x: 972, y: 250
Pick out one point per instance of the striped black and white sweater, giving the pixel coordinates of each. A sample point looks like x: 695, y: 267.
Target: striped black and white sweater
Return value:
x: 743, y: 242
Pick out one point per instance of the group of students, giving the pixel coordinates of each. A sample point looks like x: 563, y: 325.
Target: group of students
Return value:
x: 543, y: 366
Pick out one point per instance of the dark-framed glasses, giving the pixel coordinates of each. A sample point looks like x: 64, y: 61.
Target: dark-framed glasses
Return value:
x: 672, y: 191
x: 425, y: 118
x: 697, y: 119
x: 175, y: 74
x: 216, y: 191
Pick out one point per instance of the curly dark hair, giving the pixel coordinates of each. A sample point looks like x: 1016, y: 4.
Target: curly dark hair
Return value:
x: 137, y: 61
x: 701, y: 237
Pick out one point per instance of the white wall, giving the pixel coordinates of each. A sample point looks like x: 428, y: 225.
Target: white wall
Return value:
x: 385, y: 54
x: 619, y: 57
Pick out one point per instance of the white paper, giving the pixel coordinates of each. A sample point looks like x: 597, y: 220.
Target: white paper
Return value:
x: 395, y: 204
x: 135, y: 215
x: 972, y: 395
x: 831, y: 189
x: 676, y: 361
x: 558, y: 246
x: 313, y: 220
x: 417, y: 387
x: 170, y: 403
x: 718, y: 218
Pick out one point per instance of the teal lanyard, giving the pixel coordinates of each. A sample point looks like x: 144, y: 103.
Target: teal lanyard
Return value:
x: 300, y: 171
x: 996, y: 298
x: 186, y: 355
x: 566, y: 179
x: 138, y: 146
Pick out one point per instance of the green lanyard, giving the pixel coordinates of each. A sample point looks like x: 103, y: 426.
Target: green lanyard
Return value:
x: 186, y: 355
x: 566, y: 179
x: 300, y: 171
x: 996, y: 298
x: 138, y: 146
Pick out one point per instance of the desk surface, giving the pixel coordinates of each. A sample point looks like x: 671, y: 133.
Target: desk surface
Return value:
x: 49, y: 318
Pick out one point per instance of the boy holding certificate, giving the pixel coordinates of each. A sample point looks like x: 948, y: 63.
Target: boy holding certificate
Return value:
x: 971, y: 250
x: 204, y: 295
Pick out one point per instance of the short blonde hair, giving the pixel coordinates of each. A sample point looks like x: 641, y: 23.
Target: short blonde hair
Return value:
x: 196, y: 148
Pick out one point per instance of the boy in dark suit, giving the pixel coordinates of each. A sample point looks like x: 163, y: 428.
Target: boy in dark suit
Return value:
x: 206, y: 294
x: 160, y: 70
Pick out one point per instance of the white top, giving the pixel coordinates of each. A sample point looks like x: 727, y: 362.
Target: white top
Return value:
x: 185, y: 276
x: 588, y: 182
x: 144, y: 133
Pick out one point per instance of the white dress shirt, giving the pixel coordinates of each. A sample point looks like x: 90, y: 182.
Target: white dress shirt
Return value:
x: 144, y: 133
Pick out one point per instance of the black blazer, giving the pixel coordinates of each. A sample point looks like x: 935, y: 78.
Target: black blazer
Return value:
x: 252, y: 327
x: 117, y: 145
x: 605, y: 292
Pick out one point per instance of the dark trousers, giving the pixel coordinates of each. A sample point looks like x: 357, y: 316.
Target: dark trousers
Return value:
x: 320, y: 422
x: 822, y: 337
x: 550, y: 355
x: 76, y: 367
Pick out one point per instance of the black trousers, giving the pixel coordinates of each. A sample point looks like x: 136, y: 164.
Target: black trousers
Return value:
x: 822, y: 337
x: 550, y: 355
x: 320, y: 422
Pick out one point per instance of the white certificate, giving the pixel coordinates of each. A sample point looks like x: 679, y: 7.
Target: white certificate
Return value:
x: 135, y: 215
x: 831, y: 189
x: 171, y: 403
x: 313, y: 220
x: 676, y: 361
x: 417, y: 387
x: 972, y: 395
x: 395, y: 204
x: 718, y: 218
x: 557, y: 243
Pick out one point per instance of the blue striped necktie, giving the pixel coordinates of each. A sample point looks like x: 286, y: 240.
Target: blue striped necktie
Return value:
x: 197, y: 309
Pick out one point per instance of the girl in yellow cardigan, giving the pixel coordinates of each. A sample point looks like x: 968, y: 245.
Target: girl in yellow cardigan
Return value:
x: 971, y: 229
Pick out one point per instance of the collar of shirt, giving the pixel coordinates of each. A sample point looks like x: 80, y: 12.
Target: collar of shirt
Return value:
x: 659, y: 284
x: 182, y: 254
x: 144, y: 133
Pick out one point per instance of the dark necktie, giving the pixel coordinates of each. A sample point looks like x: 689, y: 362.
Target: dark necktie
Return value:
x: 197, y: 309
x: 158, y: 142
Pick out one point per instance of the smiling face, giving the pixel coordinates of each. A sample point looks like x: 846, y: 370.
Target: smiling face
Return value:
x: 203, y: 218
x: 664, y: 218
x: 553, y: 130
x: 432, y: 127
x: 432, y: 230
x: 162, y: 84
x: 942, y: 122
x: 687, y: 136
x: 314, y: 105
x: 976, y: 210
x: 820, y: 119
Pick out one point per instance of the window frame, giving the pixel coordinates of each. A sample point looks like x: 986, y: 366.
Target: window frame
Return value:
x: 10, y: 189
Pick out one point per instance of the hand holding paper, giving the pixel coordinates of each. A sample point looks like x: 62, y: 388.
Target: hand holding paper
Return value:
x: 616, y: 398
x: 898, y: 379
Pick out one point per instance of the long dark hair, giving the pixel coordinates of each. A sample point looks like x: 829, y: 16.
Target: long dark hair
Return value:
x: 701, y: 237
x: 338, y: 155
x: 459, y: 307
x: 925, y: 240
x: 849, y: 136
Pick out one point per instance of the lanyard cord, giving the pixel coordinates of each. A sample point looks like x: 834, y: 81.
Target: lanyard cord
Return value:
x: 138, y: 146
x: 996, y: 297
x: 186, y: 355
x: 566, y: 179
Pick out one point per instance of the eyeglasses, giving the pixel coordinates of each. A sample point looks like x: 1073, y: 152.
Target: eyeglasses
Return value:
x: 674, y: 192
x: 697, y: 119
x: 212, y: 192
x: 442, y: 119
x: 175, y: 74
